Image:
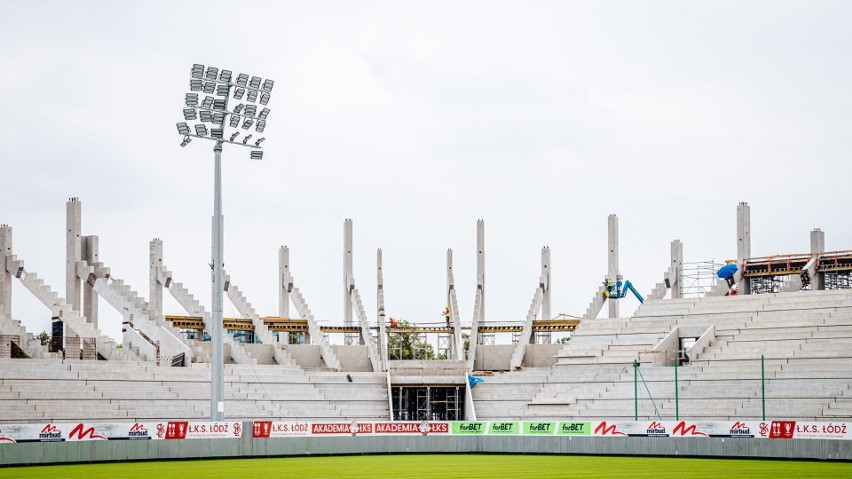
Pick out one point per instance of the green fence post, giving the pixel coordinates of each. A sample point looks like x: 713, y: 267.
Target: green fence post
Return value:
x: 635, y: 390
x: 763, y: 387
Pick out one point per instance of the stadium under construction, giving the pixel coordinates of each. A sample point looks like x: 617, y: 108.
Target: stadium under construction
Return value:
x: 760, y: 353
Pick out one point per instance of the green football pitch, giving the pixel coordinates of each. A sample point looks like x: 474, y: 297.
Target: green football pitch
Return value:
x: 444, y: 466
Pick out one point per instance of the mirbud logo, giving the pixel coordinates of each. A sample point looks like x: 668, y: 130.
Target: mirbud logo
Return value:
x: 740, y: 429
x: 5, y: 439
x: 83, y: 433
x: 603, y: 429
x: 656, y: 429
x: 138, y: 431
x: 682, y: 429
x: 50, y: 433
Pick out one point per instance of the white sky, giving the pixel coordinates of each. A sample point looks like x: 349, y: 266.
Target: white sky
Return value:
x: 416, y: 118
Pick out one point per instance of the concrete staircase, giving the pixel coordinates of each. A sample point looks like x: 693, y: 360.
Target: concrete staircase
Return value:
x: 313, y: 327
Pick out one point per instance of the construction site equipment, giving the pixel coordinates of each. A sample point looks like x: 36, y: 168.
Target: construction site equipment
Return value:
x: 619, y: 289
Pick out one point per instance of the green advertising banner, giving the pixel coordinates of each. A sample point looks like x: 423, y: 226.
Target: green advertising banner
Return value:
x: 469, y: 427
x: 497, y: 427
x: 540, y: 428
x: 574, y: 429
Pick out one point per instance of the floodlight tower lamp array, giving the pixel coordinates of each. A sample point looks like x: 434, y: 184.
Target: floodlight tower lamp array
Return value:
x: 215, y: 111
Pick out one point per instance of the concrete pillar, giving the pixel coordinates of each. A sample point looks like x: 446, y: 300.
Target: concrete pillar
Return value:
x: 451, y: 281
x: 5, y: 276
x: 480, y: 264
x: 743, y: 243
x: 284, y: 286
x: 155, y: 287
x: 380, y: 310
x: 380, y: 285
x: 90, y: 297
x: 348, y: 282
x: 284, y: 282
x: 73, y: 252
x: 612, y: 259
x: 677, y: 264
x: 545, y: 283
x: 817, y: 248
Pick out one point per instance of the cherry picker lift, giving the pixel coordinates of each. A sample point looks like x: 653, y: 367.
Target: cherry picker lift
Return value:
x: 619, y: 289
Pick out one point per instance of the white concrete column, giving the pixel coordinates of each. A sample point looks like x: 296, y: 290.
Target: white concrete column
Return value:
x: 284, y: 282
x: 451, y: 281
x: 348, y: 282
x: 817, y: 241
x: 480, y: 264
x: 545, y: 284
x: 380, y: 285
x: 5, y: 276
x: 90, y: 297
x: 677, y: 264
x: 612, y: 259
x: 73, y: 253
x: 284, y: 286
x: 817, y: 248
x: 743, y: 244
x: 155, y: 288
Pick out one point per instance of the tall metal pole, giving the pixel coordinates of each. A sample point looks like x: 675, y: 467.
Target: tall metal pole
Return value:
x: 217, y: 368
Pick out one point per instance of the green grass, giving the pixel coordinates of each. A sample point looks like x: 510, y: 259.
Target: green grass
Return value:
x: 443, y: 466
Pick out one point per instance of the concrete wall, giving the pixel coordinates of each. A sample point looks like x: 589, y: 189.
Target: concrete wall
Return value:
x: 496, y: 357
x: 100, y: 451
x: 305, y: 355
x: 540, y: 355
x: 353, y: 358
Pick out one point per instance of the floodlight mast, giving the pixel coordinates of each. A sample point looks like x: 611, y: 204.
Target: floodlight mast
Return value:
x: 222, y: 85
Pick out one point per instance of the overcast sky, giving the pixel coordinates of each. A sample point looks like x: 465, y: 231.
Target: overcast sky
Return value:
x: 416, y: 118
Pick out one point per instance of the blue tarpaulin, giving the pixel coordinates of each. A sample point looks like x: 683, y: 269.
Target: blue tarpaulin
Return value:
x: 473, y: 380
x: 727, y: 271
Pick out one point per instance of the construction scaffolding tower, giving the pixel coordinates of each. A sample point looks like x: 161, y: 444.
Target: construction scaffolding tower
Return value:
x: 767, y: 284
x: 427, y: 403
x: 838, y: 280
x: 698, y: 278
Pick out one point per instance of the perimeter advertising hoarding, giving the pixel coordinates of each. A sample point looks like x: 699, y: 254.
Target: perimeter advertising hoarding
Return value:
x: 178, y: 430
x: 84, y: 431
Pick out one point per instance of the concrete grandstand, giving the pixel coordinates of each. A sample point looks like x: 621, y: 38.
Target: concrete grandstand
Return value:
x: 772, y: 342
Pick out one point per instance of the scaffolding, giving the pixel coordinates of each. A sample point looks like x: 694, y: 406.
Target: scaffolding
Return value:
x: 427, y: 403
x: 698, y: 278
x: 838, y: 280
x: 767, y: 284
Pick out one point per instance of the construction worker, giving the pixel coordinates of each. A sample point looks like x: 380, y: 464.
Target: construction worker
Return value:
x: 609, y: 286
x: 447, y: 315
x: 394, y: 323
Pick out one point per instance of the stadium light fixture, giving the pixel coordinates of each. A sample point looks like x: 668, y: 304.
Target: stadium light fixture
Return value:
x: 261, y: 125
x: 211, y: 110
